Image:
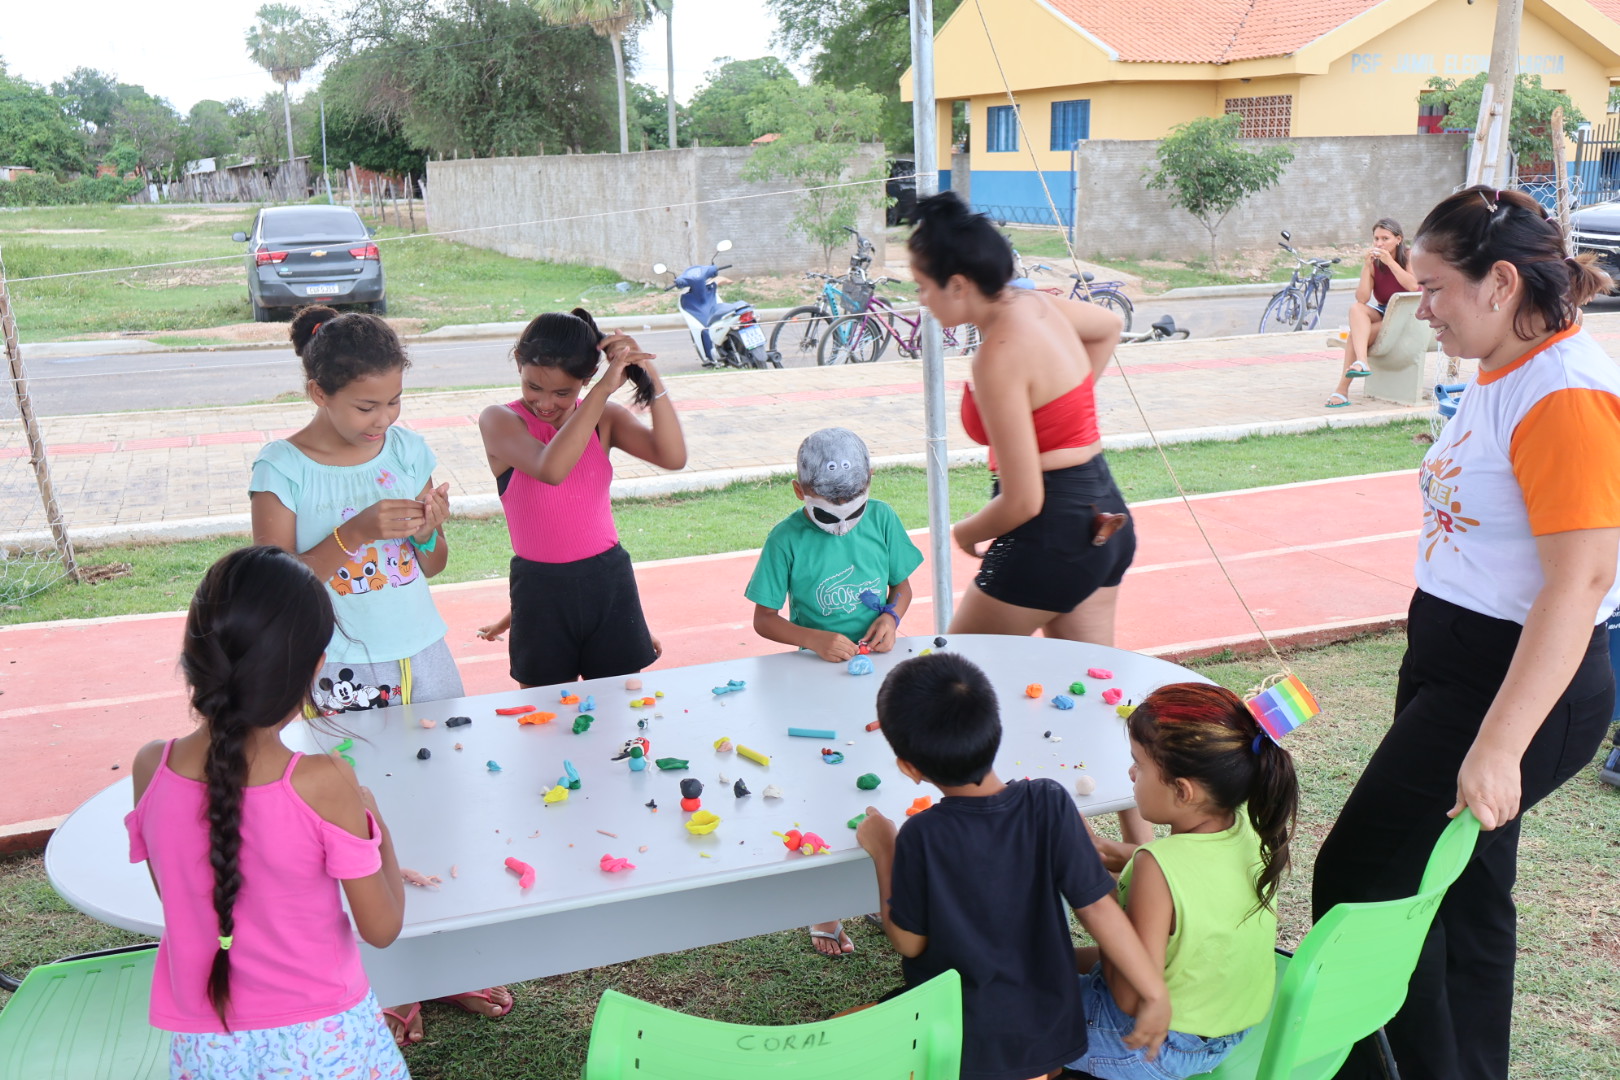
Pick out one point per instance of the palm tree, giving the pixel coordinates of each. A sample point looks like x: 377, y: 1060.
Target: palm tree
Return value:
x: 285, y: 44
x: 609, y: 19
x: 667, y: 9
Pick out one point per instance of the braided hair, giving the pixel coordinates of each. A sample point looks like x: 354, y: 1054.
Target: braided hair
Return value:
x: 572, y: 343
x: 255, y: 631
x: 1196, y: 731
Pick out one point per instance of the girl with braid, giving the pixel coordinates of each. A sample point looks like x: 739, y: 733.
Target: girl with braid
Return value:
x: 258, y: 973
x: 1202, y: 898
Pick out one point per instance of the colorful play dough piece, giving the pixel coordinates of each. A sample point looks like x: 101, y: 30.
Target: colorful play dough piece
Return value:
x: 536, y: 718
x: 1124, y: 711
x: 568, y: 699
x: 723, y: 745
x: 874, y: 725
x: 811, y: 844
x: 1077, y: 688
x: 1034, y: 690
x: 739, y: 789
x: 1113, y: 695
x: 342, y: 750
x: 1063, y: 701
x: 583, y: 722
x: 492, y: 765
x: 674, y: 764
x: 588, y: 704
x: 855, y: 822
x: 514, y: 710
x: 458, y: 721
x: 557, y: 794
x: 1099, y: 673
x: 829, y: 756
x: 423, y: 754
x: 919, y: 804
x: 523, y: 870
x: 731, y: 687
x: 429, y: 724
x: 753, y: 755
x: 691, y: 787
x: 860, y: 665
x: 570, y: 777
x: 691, y: 805
x: 868, y: 781
x: 772, y: 792
x: 615, y: 865
x: 702, y: 823
x: 632, y: 684
x: 812, y: 733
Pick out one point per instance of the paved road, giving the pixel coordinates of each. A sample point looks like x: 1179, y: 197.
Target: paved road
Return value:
x: 94, y: 384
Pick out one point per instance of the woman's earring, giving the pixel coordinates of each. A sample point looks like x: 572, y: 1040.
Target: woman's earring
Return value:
x: 1496, y: 306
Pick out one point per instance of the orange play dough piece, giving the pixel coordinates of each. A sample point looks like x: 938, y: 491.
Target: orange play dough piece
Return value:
x: 919, y: 804
x: 537, y: 718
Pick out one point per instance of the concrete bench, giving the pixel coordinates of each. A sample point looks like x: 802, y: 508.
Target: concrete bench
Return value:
x: 1398, y: 354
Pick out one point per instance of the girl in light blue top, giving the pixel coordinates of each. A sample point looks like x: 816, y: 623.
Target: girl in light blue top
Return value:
x: 352, y: 494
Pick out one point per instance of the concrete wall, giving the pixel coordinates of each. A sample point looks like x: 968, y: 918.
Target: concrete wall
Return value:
x: 606, y: 199
x: 1331, y: 194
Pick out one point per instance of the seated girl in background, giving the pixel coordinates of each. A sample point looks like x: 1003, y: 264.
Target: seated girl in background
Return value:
x: 1383, y: 274
x: 1200, y: 898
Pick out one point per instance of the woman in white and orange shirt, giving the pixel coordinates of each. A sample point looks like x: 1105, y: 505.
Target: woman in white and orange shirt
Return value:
x: 1506, y: 687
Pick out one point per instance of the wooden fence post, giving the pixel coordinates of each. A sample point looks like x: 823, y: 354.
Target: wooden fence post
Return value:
x: 36, y: 445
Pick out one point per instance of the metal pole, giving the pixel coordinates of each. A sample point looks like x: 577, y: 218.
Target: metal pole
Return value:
x: 669, y: 53
x: 325, y: 175
x: 30, y: 425
x: 925, y: 147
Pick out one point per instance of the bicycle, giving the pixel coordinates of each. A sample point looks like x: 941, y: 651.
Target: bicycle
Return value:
x: 1108, y: 294
x: 862, y: 337
x: 1298, y: 304
x: 797, y: 335
x: 1164, y: 329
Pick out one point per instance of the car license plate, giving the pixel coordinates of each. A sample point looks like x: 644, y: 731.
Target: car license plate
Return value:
x: 752, y: 336
x: 322, y: 290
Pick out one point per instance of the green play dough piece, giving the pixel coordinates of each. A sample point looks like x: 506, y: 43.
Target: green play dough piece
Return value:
x: 583, y: 722
x: 676, y: 763
x: 1077, y: 688
x: 868, y: 781
x: 855, y: 822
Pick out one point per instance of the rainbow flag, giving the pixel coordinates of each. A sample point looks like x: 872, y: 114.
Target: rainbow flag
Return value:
x: 1284, y: 707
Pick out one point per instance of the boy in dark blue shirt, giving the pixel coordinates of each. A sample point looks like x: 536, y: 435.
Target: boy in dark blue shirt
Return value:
x: 978, y: 882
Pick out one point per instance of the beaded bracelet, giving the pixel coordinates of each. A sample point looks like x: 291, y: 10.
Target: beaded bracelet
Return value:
x: 351, y: 554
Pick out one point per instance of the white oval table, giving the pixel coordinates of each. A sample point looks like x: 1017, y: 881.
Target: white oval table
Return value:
x: 451, y: 811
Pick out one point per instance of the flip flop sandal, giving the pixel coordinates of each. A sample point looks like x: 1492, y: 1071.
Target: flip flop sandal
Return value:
x: 1357, y: 371
x: 486, y: 995
x: 836, y: 936
x: 403, y: 1040
x: 1341, y: 403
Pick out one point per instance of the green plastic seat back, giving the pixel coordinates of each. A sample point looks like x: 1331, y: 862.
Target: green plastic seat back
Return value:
x: 1350, y: 974
x: 915, y: 1036
x: 84, y: 1019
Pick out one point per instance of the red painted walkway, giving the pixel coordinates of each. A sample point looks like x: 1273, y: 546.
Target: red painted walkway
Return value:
x: 82, y: 696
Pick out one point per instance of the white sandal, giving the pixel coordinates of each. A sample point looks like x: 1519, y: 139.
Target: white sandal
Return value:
x: 837, y: 937
x: 1357, y: 370
x: 1341, y: 403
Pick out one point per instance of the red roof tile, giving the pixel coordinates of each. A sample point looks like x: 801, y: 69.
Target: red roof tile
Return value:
x: 1212, y: 31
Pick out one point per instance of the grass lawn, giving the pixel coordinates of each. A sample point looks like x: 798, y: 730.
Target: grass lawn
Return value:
x: 1567, y: 1023
x: 738, y: 517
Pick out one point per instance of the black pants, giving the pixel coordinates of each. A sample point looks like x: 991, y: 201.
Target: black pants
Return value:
x: 577, y: 620
x: 1457, y: 1019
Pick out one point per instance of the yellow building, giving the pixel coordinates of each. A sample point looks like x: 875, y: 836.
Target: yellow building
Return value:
x: 1040, y: 75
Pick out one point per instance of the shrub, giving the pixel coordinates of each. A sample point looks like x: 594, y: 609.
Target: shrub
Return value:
x: 36, y: 189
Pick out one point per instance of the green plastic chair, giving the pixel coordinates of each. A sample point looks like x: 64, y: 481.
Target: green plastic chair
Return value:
x: 917, y: 1035
x: 84, y: 1018
x: 1349, y: 976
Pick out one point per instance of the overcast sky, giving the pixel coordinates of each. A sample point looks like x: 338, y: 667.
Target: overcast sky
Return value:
x: 188, y: 50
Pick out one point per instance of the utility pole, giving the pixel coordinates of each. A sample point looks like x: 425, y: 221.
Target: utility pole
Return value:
x: 325, y: 175
x: 925, y: 148
x: 669, y: 53
x: 1489, y: 162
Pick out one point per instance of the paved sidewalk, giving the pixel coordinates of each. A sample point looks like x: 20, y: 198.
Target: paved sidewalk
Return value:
x: 137, y: 469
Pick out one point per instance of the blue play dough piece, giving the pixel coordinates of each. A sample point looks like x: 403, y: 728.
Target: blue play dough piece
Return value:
x: 570, y: 781
x: 861, y: 665
x: 588, y: 705
x: 492, y: 765
x: 637, y: 764
x: 731, y: 687
x: 1063, y: 701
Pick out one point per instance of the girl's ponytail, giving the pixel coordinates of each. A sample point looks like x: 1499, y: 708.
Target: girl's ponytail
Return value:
x: 1273, y: 804
x: 634, y: 372
x: 255, y: 632
x: 1202, y: 732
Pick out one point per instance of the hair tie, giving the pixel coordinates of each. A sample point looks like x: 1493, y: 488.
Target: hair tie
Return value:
x: 1255, y: 746
x: 225, y: 942
x: 1572, y: 260
x: 316, y: 329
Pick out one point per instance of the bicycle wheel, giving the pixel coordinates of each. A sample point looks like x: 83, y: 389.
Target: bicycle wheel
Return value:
x: 1282, y: 314
x: 1315, y: 301
x: 1118, y: 303
x: 853, y: 339
x: 964, y: 339
x: 797, y: 335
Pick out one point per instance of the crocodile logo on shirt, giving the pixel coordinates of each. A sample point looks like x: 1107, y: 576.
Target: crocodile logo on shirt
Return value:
x: 839, y: 595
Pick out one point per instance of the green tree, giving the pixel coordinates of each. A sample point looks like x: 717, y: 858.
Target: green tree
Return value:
x: 649, y: 118
x: 821, y: 130
x: 209, y: 131
x: 721, y: 109
x: 153, y: 130
x: 610, y: 19
x: 1533, y: 106
x: 34, y: 129
x: 89, y: 96
x: 1207, y: 172
x: 286, y: 44
x: 858, y: 43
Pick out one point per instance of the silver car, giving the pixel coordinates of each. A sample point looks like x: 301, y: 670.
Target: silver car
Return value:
x: 301, y: 255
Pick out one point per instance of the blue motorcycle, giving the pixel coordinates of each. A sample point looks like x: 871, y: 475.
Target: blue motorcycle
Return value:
x: 725, y: 335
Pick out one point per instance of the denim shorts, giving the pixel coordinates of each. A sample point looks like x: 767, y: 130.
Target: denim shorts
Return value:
x: 1108, y: 1058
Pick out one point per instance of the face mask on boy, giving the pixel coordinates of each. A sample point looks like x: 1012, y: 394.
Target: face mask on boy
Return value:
x: 838, y: 518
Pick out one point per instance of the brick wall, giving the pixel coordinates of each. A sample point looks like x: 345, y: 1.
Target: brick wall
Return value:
x: 1331, y: 194
x: 683, y: 184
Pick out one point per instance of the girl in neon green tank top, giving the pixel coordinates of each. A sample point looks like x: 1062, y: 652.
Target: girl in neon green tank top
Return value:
x: 1200, y: 898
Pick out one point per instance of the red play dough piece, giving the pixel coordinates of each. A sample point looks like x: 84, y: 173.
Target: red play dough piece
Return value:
x: 523, y: 870
x: 516, y: 710
x: 691, y: 805
x: 1112, y: 695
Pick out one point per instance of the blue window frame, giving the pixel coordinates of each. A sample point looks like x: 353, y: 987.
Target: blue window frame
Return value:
x: 1071, y: 123
x: 1001, y: 129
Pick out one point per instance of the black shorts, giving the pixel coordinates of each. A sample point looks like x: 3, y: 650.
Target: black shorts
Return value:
x: 1049, y: 562
x: 577, y: 620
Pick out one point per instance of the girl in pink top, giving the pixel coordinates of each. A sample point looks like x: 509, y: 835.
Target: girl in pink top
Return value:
x: 575, y: 609
x: 258, y: 972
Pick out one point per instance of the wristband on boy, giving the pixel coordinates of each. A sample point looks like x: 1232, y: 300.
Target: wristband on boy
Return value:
x: 870, y: 599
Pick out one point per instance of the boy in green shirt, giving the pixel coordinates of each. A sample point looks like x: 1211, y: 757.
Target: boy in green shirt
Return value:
x: 840, y: 563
